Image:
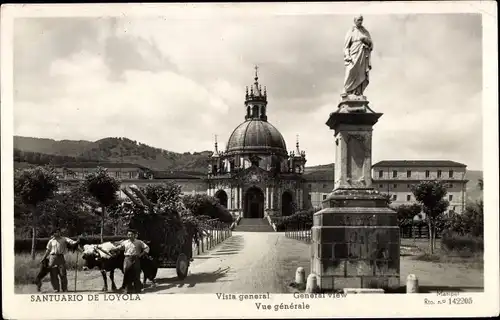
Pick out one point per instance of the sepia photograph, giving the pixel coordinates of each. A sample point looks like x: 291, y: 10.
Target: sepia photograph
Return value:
x: 250, y: 160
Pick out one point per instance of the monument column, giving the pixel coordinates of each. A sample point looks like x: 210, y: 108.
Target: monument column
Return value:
x: 355, y: 237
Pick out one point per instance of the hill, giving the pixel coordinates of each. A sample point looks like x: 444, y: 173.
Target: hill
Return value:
x: 71, y: 148
x: 110, y: 150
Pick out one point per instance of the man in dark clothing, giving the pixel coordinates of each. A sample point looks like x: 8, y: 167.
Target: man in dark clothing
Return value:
x: 134, y: 250
x: 57, y: 247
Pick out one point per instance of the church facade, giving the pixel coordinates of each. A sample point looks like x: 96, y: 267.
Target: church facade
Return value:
x: 256, y: 176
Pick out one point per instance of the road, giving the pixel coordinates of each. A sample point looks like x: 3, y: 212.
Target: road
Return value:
x: 248, y: 262
x: 260, y: 262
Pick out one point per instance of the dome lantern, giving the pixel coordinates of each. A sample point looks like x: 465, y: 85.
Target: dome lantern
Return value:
x: 256, y: 100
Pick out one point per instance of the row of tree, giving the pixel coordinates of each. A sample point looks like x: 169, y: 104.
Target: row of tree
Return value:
x: 93, y: 206
x: 41, y: 159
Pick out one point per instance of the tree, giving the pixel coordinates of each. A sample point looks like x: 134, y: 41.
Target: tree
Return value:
x: 406, y: 214
x: 470, y: 222
x: 67, y: 211
x: 104, y: 189
x: 33, y: 186
x: 205, y: 205
x: 430, y: 195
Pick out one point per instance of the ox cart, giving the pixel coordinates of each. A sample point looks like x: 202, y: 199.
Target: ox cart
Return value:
x: 180, y: 260
x: 171, y: 244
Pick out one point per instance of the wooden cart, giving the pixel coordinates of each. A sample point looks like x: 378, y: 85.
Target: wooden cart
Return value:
x: 168, y: 253
x: 178, y: 260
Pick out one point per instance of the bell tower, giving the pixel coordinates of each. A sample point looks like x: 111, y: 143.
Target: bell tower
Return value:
x: 214, y: 162
x: 256, y: 100
x: 297, y: 159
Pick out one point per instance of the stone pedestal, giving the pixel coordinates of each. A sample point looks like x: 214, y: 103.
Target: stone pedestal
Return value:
x: 355, y: 238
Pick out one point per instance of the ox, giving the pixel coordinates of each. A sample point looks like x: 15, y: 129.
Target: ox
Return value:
x: 100, y: 256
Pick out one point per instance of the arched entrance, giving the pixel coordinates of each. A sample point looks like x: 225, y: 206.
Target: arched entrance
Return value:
x: 222, y: 196
x: 254, y: 203
x: 286, y: 204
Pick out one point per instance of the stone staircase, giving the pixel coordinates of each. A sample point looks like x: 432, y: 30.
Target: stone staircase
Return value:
x: 253, y: 225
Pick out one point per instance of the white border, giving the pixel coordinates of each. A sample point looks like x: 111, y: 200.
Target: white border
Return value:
x: 207, y: 306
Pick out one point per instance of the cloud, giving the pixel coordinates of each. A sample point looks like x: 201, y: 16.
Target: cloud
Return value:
x: 174, y: 83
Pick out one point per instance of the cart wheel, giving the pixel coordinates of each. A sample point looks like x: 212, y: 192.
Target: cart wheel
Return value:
x: 182, y: 266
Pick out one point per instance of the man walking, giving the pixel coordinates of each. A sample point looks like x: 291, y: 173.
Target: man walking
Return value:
x: 134, y: 250
x: 56, y: 248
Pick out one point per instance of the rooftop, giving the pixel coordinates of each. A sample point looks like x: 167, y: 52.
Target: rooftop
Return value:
x: 92, y: 164
x: 319, y: 175
x: 177, y: 175
x: 418, y: 163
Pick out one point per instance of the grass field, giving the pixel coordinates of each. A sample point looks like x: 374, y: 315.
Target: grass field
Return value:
x: 419, y: 249
x: 26, y: 269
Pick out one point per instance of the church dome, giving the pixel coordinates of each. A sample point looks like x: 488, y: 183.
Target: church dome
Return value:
x: 256, y: 135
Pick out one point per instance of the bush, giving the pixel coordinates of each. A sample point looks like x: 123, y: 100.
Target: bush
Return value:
x: 299, y: 220
x: 462, y: 244
x: 471, y: 222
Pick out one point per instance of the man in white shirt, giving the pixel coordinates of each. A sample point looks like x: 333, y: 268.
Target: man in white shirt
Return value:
x: 56, y: 249
x: 134, y: 250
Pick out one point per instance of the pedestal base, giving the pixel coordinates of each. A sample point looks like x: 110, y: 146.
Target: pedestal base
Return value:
x: 355, y: 242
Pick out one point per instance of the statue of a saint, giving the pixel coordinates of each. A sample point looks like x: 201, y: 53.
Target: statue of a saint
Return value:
x: 358, y: 46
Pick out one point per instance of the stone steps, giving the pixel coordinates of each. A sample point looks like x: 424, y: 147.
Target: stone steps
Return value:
x: 253, y: 225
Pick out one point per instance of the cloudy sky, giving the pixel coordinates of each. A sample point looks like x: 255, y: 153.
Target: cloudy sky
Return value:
x: 174, y: 83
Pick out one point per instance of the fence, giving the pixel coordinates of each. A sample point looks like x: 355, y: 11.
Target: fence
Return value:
x: 215, y: 236
x: 300, y: 232
x: 416, y: 231
x: 303, y: 232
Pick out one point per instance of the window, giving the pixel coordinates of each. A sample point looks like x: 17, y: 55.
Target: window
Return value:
x: 450, y: 197
x: 309, y: 197
x: 427, y: 173
x: 394, y: 174
x: 394, y: 197
x: 380, y: 185
x: 450, y: 185
x: 408, y: 197
x: 117, y: 174
x: 324, y: 197
x: 380, y: 174
x: 451, y: 173
x: 408, y: 174
x: 394, y: 186
x: 130, y: 175
x: 439, y: 173
x: 408, y: 186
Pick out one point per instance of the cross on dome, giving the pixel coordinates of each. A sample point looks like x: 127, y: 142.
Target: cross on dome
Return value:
x: 256, y: 93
